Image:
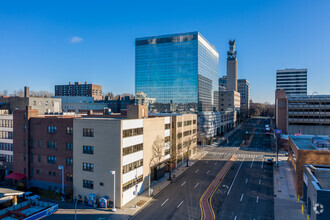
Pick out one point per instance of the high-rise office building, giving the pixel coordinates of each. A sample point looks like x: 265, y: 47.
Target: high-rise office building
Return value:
x: 78, y: 89
x: 231, y: 67
x: 178, y: 69
x: 293, y: 81
x: 243, y: 87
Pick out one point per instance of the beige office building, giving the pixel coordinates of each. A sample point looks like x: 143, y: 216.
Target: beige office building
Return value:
x: 229, y: 100
x: 131, y: 146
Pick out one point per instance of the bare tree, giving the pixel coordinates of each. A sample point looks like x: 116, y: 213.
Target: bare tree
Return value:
x: 187, y: 143
x: 157, y: 155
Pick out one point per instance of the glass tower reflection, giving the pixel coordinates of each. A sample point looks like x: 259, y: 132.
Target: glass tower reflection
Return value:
x: 179, y: 68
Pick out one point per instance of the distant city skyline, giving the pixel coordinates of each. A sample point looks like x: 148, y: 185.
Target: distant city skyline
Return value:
x: 48, y: 43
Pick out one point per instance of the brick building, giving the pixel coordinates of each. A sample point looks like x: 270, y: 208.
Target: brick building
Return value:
x: 41, y: 144
x: 306, y: 149
x: 78, y: 89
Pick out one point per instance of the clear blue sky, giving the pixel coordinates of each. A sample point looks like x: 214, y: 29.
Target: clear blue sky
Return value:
x: 43, y: 43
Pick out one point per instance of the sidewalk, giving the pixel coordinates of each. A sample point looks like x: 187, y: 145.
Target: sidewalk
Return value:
x: 128, y: 210
x: 286, y: 205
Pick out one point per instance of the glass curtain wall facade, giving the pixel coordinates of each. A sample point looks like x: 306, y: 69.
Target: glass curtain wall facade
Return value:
x: 180, y: 69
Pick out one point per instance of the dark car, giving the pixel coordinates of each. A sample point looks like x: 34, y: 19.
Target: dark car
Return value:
x: 270, y: 161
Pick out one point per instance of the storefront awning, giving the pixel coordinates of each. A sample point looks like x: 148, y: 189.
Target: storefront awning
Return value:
x: 16, y: 176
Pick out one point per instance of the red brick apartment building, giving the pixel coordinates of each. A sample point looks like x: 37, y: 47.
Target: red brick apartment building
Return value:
x: 42, y: 143
x: 306, y: 149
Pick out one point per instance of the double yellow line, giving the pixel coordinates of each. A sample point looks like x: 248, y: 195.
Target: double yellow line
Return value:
x: 200, y: 200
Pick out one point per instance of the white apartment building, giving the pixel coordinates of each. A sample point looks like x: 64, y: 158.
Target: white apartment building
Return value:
x: 6, y: 143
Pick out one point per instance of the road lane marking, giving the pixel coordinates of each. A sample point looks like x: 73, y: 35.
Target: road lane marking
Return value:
x: 262, y: 164
x: 246, y: 180
x: 164, y: 202
x: 215, y: 163
x: 208, y: 172
x: 241, y: 197
x: 257, y: 199
x: 179, y: 204
x: 183, y: 183
x: 259, y: 181
x: 252, y: 163
x: 197, y: 171
x: 196, y: 185
x: 235, y: 177
x: 235, y: 218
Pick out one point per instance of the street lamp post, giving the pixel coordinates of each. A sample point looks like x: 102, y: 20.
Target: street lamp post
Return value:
x: 114, y: 190
x: 75, y: 207
x: 62, y: 168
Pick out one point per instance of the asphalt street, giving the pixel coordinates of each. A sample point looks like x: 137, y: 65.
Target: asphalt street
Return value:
x: 246, y: 191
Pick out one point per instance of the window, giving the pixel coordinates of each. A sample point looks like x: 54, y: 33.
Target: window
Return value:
x: 31, y: 157
x: 52, y: 129
x: 69, y: 161
x: 179, y: 124
x: 186, y: 133
x: 132, y: 149
x: 186, y: 123
x: 49, y: 173
x: 54, y: 173
x: 88, y: 132
x: 88, y: 167
x: 132, y: 132
x: 51, y: 144
x: 179, y: 135
x: 101, y: 184
x: 69, y: 130
x: 132, y: 183
x: 51, y: 159
x: 39, y: 143
x: 39, y: 158
x: 167, y: 151
x: 194, y: 131
x: 132, y: 166
x: 88, y: 149
x: 167, y: 126
x: 31, y: 142
x: 69, y: 146
x: 37, y: 171
x: 194, y: 121
x: 69, y: 177
x: 88, y: 184
x: 167, y: 139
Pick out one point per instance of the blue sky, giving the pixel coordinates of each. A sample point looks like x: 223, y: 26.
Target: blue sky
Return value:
x: 43, y: 43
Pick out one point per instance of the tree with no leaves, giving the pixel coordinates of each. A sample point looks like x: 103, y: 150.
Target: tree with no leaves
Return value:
x: 157, y: 155
x: 188, y: 144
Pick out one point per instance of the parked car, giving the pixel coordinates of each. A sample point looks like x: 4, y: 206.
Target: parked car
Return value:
x: 270, y: 161
x: 30, y: 195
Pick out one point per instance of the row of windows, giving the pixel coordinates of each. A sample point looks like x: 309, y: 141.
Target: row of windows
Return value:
x: 186, y: 133
x: 51, y: 144
x: 50, y: 159
x: 131, y: 183
x: 88, y: 167
x: 69, y: 161
x: 310, y: 117
x: 132, y: 132
x: 6, y: 135
x: 52, y: 129
x: 88, y: 132
x: 88, y: 184
x: 187, y: 123
x: 316, y: 110
x: 132, y: 166
x: 88, y: 150
x: 132, y: 149
x: 167, y: 139
x: 6, y: 146
x: 7, y: 123
x: 6, y: 158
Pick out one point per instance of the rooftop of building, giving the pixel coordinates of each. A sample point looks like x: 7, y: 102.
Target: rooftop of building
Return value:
x: 76, y: 83
x: 291, y: 70
x: 311, y: 142
x: 308, y: 97
x: 321, y: 173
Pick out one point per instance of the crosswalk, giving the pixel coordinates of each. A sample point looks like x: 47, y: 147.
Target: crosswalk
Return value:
x: 256, y: 149
x: 238, y: 155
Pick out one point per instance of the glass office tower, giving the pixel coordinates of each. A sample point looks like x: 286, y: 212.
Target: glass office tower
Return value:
x: 179, y: 69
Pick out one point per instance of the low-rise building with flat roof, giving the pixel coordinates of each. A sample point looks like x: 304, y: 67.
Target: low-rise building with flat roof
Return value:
x: 137, y: 147
x: 306, y: 149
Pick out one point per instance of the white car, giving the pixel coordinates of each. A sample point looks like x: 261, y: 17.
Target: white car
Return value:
x: 30, y: 195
